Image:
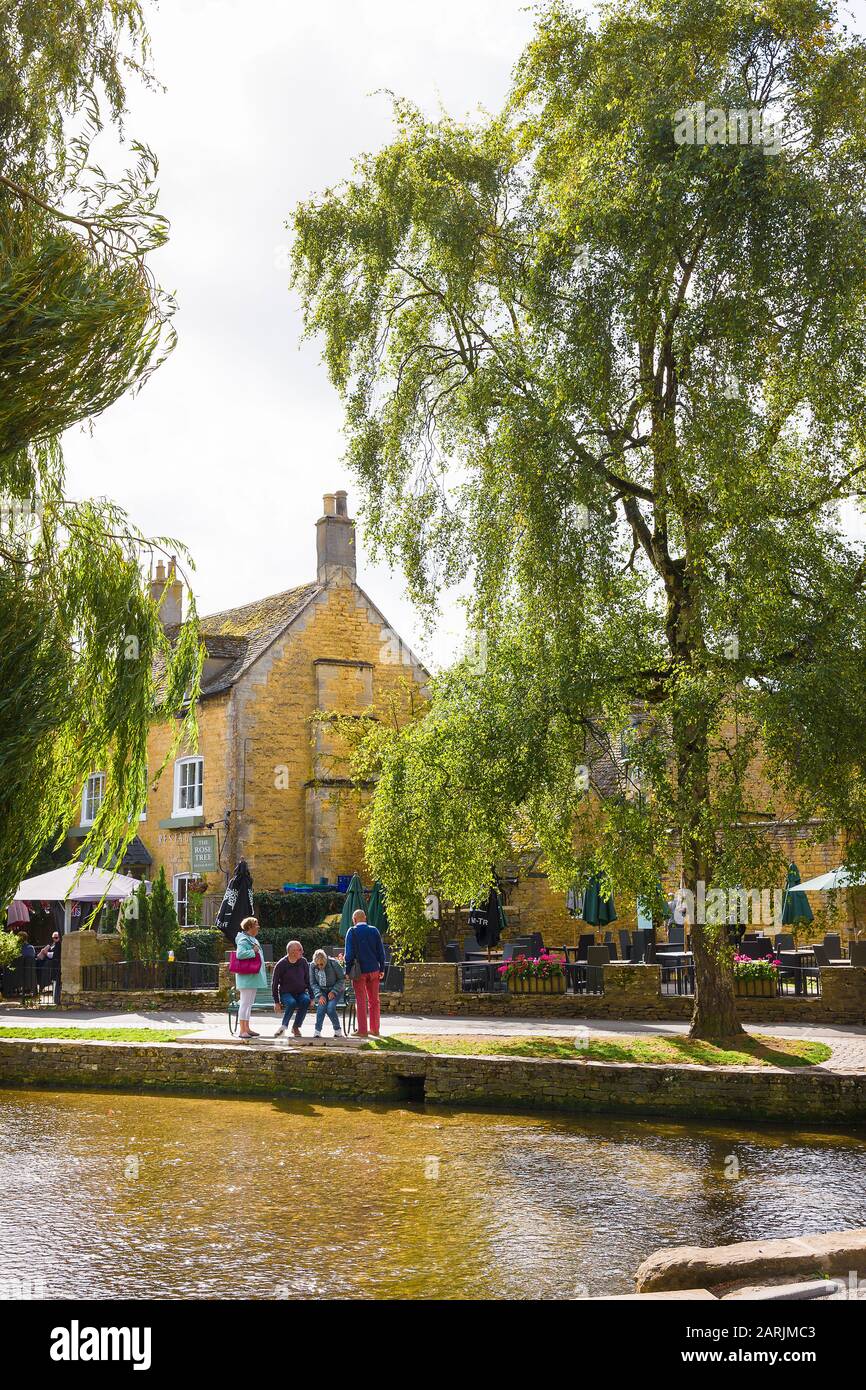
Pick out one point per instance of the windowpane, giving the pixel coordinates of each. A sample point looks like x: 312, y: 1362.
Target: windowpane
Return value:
x: 94, y: 791
x: 190, y: 785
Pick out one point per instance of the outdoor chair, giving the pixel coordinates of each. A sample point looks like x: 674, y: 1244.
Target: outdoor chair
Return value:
x: 785, y: 941
x: 470, y: 944
x: 833, y: 945
x: 597, y: 958
x: 625, y: 944
x: 585, y: 941
x: 822, y: 955
x: 857, y: 952
x: 451, y: 951
x: 676, y: 936
x: 755, y: 948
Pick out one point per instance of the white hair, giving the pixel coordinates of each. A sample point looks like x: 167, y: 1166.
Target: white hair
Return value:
x: 320, y: 955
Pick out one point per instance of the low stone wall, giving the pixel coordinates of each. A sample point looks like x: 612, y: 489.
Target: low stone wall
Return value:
x: 147, y: 1001
x: 630, y: 992
x: 796, y: 1096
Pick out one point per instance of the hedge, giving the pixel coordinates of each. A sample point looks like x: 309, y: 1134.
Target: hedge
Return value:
x: 209, y: 942
x: 295, y: 910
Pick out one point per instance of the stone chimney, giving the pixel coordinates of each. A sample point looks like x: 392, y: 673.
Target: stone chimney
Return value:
x: 335, y: 540
x: 167, y: 591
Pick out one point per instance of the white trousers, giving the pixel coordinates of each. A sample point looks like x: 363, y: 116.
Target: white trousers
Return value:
x: 248, y: 998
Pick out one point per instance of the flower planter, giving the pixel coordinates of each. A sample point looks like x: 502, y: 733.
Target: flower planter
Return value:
x: 531, y: 985
x: 756, y: 987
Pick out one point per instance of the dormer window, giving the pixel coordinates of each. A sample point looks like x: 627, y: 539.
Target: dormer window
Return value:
x: 188, y: 786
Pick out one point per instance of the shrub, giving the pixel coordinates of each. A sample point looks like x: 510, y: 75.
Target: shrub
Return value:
x: 295, y: 910
x: 164, y: 933
x: 311, y: 938
x: 209, y: 942
x: 10, y: 949
x: 135, y: 925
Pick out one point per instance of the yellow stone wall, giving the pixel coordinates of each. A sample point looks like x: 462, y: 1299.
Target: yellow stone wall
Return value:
x: 170, y: 848
x: 263, y: 748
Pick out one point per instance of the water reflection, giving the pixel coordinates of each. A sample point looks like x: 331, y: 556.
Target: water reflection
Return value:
x: 112, y: 1195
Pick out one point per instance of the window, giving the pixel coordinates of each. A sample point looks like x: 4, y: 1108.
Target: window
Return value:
x: 184, y: 900
x: 188, y: 786
x: 94, y: 791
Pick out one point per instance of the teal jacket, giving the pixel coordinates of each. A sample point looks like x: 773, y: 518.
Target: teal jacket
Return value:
x: 247, y: 947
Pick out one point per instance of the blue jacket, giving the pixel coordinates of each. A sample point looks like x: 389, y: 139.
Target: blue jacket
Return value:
x: 366, y: 942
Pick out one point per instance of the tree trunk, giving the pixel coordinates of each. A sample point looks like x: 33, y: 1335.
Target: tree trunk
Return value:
x: 715, y: 1012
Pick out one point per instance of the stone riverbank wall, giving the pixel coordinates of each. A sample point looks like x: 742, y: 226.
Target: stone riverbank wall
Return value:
x: 754, y: 1094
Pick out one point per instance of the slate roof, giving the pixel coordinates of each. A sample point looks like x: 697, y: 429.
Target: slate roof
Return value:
x: 242, y: 634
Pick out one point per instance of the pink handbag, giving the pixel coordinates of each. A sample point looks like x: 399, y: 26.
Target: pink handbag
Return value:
x: 240, y: 966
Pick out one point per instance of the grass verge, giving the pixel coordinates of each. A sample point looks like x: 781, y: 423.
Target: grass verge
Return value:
x: 99, y: 1034
x: 749, y: 1051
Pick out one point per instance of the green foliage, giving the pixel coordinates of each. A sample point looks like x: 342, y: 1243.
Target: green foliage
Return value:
x: 209, y: 942
x: 10, y: 948
x: 295, y: 910
x: 135, y: 926
x: 311, y: 938
x: 164, y: 932
x: 149, y: 926
x: 85, y: 665
x: 615, y: 386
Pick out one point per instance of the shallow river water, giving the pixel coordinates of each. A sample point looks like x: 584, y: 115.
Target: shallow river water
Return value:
x: 115, y: 1195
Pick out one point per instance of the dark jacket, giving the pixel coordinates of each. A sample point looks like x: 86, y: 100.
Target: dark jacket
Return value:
x: 290, y: 979
x: 365, y: 942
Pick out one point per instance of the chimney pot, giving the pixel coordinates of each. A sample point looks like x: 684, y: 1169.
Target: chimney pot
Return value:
x: 335, y: 541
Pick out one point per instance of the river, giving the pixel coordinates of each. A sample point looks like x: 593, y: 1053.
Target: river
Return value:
x: 110, y: 1195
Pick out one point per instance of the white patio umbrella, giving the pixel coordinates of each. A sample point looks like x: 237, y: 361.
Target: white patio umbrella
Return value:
x: 825, y: 883
x: 60, y: 886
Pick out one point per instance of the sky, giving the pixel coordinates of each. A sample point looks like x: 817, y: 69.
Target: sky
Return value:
x: 232, y: 444
x: 234, y: 441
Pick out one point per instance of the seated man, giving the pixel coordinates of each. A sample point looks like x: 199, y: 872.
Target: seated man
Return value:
x: 290, y: 985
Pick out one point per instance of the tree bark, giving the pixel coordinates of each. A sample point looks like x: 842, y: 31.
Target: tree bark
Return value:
x: 715, y: 1012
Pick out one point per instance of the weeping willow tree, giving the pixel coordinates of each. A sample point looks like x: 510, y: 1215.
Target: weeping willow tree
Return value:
x: 603, y: 358
x: 85, y: 665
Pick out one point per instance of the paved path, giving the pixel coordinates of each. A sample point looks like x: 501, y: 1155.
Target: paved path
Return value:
x: 848, y: 1043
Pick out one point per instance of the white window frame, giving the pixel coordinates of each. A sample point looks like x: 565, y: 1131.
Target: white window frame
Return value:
x: 180, y: 764
x: 181, y: 907
x: 85, y: 819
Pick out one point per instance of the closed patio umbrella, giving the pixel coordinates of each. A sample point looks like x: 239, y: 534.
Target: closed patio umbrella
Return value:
x: 354, y: 901
x: 795, y: 905
x: 597, y: 911
x: 237, y: 902
x: 376, y: 914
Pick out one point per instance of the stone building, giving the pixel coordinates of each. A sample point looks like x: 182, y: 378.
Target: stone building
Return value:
x: 268, y: 780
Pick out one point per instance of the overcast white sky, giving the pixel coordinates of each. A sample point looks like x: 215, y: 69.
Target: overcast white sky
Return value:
x: 235, y: 439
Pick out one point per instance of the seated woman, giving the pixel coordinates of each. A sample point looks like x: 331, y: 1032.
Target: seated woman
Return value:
x: 328, y: 984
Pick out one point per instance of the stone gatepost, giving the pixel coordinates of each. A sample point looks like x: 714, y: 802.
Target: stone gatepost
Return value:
x: 82, y: 948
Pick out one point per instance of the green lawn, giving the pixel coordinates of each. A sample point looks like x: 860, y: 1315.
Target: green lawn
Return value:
x: 748, y: 1052
x: 100, y: 1034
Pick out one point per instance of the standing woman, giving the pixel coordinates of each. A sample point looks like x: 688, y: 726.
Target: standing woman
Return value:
x: 247, y: 948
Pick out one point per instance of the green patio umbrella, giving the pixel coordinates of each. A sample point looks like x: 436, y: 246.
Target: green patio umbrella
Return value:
x: 597, y: 911
x: 795, y: 906
x: 354, y: 901
x: 376, y: 914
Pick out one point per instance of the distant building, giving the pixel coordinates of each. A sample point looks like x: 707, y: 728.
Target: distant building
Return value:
x: 268, y: 780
